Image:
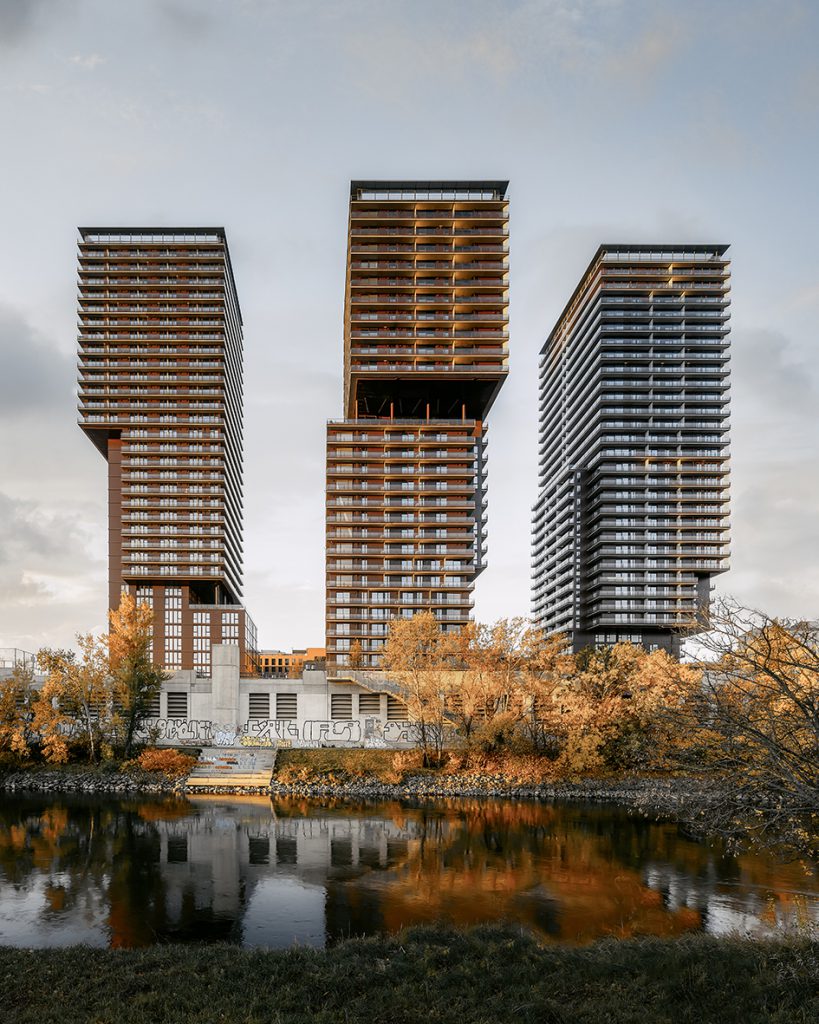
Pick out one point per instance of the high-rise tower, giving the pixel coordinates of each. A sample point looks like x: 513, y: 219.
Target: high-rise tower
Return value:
x: 425, y: 354
x: 631, y: 521
x: 160, y: 395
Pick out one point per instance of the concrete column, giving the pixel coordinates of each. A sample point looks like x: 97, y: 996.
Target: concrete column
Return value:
x: 225, y: 688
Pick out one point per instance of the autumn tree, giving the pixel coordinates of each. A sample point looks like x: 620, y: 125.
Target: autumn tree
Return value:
x: 356, y: 655
x: 755, y: 722
x: 418, y: 655
x: 473, y: 696
x: 135, y: 680
x: 608, y: 707
x: 77, y: 695
x: 545, y: 664
x: 102, y: 693
x: 489, y: 703
x: 16, y: 692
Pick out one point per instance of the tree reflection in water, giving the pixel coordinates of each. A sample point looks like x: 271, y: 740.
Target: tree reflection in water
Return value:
x: 134, y: 872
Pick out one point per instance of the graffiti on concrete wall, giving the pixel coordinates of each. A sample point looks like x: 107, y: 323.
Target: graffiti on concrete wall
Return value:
x: 331, y: 732
x: 176, y: 730
x: 312, y: 733
x: 270, y: 730
x: 372, y: 732
x: 401, y: 732
x: 226, y: 736
x: 373, y: 729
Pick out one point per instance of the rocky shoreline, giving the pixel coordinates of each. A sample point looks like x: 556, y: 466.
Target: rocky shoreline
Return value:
x: 91, y: 779
x: 663, y: 794
x: 666, y: 795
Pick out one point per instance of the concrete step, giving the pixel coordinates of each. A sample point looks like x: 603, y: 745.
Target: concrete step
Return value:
x: 253, y: 782
x: 242, y: 767
x: 227, y: 776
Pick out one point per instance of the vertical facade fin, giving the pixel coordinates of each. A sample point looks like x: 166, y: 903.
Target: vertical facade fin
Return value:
x: 425, y: 354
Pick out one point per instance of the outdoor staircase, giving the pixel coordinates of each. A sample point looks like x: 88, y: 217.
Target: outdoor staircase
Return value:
x: 233, y: 767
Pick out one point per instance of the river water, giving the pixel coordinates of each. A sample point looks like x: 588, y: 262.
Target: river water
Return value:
x: 261, y: 872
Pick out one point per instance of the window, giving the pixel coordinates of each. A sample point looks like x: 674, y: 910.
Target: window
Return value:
x: 177, y: 849
x: 230, y: 627
x: 173, y: 628
x: 341, y: 707
x: 177, y: 705
x: 201, y: 643
x: 145, y: 595
x: 154, y: 707
x: 286, y: 706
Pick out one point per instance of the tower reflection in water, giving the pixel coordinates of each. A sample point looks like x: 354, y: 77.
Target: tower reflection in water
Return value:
x: 131, y: 873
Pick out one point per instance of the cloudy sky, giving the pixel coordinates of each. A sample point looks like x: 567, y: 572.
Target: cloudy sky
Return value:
x: 615, y: 120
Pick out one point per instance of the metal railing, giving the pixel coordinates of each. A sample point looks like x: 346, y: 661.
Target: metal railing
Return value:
x: 11, y: 657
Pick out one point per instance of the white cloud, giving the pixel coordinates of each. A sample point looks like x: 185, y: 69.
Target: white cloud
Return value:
x: 52, y: 584
x: 88, y: 62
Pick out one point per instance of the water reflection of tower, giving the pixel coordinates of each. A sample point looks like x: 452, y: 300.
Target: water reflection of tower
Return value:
x: 133, y: 873
x: 191, y: 874
x: 331, y: 852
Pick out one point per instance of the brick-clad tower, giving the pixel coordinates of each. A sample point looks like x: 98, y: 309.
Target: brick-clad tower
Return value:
x: 160, y: 395
x: 425, y: 354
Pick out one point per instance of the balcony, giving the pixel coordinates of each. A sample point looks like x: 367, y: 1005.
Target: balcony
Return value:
x: 430, y: 368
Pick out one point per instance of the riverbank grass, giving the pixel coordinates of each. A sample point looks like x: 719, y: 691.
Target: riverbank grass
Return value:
x: 391, y: 767
x: 345, y: 764
x: 507, y: 769
x: 488, y: 975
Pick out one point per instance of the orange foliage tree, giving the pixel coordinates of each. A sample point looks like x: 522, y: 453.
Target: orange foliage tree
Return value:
x: 76, y: 698
x: 610, y: 710
x: 503, y: 664
x: 355, y: 659
x: 419, y: 657
x: 100, y: 695
x: 16, y: 693
x: 509, y: 684
x: 135, y: 680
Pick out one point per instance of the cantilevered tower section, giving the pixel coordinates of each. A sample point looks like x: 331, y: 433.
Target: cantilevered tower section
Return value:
x: 160, y: 395
x: 425, y: 354
x: 631, y: 522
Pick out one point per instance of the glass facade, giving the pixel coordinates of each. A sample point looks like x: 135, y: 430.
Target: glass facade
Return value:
x: 631, y: 521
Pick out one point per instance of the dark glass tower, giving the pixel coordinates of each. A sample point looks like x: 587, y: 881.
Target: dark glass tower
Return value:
x: 631, y: 521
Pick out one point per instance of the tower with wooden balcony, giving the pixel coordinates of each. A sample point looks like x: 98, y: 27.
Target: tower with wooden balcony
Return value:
x: 425, y: 354
x: 160, y: 396
x: 631, y: 522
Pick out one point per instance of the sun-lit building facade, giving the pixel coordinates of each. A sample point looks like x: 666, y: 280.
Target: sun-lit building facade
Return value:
x: 160, y: 396
x: 290, y: 664
x: 425, y: 354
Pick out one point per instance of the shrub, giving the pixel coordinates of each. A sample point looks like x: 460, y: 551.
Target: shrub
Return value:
x: 170, y: 762
x: 10, y: 761
x: 404, y: 762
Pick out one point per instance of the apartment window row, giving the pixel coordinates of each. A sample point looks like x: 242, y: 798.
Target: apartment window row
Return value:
x: 145, y: 595
x: 173, y: 628
x: 230, y: 627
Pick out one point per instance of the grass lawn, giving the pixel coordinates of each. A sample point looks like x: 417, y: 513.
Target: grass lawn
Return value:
x: 339, y: 764
x: 483, y: 976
